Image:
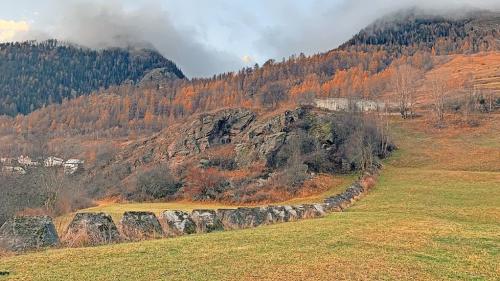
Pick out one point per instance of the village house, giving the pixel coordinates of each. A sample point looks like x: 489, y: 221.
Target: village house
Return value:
x: 7, y: 160
x: 26, y: 161
x: 53, y: 162
x: 72, y: 166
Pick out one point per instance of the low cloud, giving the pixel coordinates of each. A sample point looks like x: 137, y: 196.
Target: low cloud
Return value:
x: 210, y: 37
x: 110, y: 24
x: 327, y: 24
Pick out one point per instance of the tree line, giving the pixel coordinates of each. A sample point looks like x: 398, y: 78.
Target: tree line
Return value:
x: 387, y: 57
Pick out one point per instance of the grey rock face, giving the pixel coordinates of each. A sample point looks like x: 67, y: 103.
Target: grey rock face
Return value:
x: 140, y: 225
x: 211, y: 129
x: 91, y: 229
x: 206, y: 221
x: 176, y: 223
x: 266, y: 138
x: 158, y: 75
x: 28, y: 233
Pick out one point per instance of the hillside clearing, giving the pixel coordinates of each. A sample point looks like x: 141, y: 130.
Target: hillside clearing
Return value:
x: 432, y: 216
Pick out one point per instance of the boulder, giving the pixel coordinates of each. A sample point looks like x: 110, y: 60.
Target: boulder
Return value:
x: 277, y: 213
x: 355, y: 191
x: 338, y: 202
x: 206, y: 221
x: 300, y: 211
x: 291, y: 214
x: 140, y: 225
x: 244, y: 217
x: 343, y: 200
x: 229, y: 218
x: 177, y: 223
x: 334, y: 204
x: 87, y: 229
x: 256, y: 216
x: 313, y: 210
x: 28, y: 233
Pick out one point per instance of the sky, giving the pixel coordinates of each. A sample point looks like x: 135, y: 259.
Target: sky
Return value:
x: 207, y: 37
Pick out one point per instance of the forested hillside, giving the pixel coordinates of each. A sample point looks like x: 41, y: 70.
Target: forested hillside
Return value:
x: 411, y: 31
x: 364, y: 67
x: 35, y: 74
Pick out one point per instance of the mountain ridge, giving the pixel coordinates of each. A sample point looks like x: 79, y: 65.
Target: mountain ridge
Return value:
x: 36, y: 74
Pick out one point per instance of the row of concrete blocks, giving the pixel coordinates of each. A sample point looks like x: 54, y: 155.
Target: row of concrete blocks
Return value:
x: 27, y: 233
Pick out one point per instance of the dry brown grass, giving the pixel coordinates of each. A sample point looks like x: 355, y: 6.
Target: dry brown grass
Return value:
x: 455, y: 70
x: 455, y: 147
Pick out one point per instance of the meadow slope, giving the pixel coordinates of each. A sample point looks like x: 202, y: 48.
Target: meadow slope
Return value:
x: 434, y: 215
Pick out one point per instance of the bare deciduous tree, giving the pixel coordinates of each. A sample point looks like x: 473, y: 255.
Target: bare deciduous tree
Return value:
x: 438, y: 91
x: 489, y: 100
x: 405, y: 84
x: 469, y: 97
x: 273, y: 95
x: 383, y: 129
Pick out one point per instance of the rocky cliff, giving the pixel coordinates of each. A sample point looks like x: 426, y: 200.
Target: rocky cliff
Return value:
x: 241, y: 156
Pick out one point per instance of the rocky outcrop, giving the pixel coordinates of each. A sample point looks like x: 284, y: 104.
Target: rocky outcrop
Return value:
x: 211, y: 129
x: 177, y: 223
x: 265, y: 138
x: 158, y: 76
x: 91, y: 229
x: 140, y: 225
x: 28, y: 233
x: 245, y: 154
x: 206, y: 221
x: 253, y: 140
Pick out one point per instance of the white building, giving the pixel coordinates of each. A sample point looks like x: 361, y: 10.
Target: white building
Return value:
x: 27, y: 161
x: 343, y: 104
x: 6, y: 160
x: 53, y: 162
x: 72, y: 166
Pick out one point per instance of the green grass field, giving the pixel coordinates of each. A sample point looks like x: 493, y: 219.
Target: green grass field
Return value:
x: 434, y: 215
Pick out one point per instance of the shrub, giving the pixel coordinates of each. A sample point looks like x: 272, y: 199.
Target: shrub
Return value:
x: 206, y: 184
x: 224, y: 163
x: 156, y: 183
x: 42, y: 189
